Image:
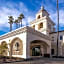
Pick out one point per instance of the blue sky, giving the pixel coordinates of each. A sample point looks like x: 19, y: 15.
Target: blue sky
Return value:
x: 29, y: 8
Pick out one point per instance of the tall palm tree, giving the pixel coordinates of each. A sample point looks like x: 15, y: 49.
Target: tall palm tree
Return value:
x: 10, y: 21
x: 21, y: 16
x: 19, y: 19
x: 16, y: 22
x: 57, y: 26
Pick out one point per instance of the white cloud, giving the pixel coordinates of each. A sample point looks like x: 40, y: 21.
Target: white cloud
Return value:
x: 61, y: 17
x: 11, y: 10
x: 22, y: 7
x: 4, y: 13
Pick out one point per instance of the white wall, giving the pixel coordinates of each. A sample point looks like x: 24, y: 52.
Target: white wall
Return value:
x: 22, y: 36
x: 31, y: 37
x: 55, y: 42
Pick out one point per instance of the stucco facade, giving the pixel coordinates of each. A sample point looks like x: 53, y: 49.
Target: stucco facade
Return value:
x: 34, y: 40
x: 53, y: 36
x: 24, y: 37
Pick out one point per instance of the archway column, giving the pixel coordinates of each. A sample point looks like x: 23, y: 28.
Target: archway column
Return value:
x: 8, y: 49
x: 42, y: 50
x: 36, y: 27
x: 48, y: 50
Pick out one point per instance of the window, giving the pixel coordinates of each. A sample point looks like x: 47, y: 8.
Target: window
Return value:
x: 17, y: 46
x: 61, y: 37
x: 38, y: 16
x: 52, y: 51
x: 52, y: 38
x: 40, y: 26
x: 34, y: 26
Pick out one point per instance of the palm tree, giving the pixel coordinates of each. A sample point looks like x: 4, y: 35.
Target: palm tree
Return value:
x: 10, y: 21
x: 16, y: 21
x: 57, y: 26
x: 21, y: 16
x: 19, y: 19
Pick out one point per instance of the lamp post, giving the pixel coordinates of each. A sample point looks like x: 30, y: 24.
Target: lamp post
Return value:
x: 57, y: 27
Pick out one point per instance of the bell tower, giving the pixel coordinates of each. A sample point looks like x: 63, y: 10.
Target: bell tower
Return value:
x: 42, y: 13
x: 43, y: 22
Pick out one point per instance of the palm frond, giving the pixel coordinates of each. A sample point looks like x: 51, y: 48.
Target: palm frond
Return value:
x: 16, y: 21
x: 21, y: 15
x: 10, y: 18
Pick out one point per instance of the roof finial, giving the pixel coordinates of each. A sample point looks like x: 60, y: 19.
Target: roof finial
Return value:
x: 42, y: 7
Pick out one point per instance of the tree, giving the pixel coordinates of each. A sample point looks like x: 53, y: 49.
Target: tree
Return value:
x: 21, y: 16
x: 10, y: 21
x: 57, y: 27
x: 16, y: 21
x: 3, y: 48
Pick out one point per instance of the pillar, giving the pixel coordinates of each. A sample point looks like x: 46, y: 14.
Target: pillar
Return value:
x: 48, y: 50
x: 8, y: 50
x: 42, y: 50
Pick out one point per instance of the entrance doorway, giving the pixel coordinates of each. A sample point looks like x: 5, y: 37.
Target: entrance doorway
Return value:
x: 36, y: 51
x: 38, y: 48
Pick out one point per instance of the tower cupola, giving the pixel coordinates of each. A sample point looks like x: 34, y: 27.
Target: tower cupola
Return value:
x: 42, y: 7
x: 42, y: 13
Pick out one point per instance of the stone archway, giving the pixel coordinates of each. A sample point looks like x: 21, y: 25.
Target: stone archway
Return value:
x: 16, y: 47
x: 5, y: 48
x: 38, y: 48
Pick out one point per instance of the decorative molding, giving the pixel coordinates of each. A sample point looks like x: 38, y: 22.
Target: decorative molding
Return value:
x: 22, y: 30
x: 13, y: 33
x: 37, y: 20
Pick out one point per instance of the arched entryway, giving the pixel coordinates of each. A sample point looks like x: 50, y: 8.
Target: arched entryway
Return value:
x: 36, y: 51
x: 38, y: 48
x: 16, y: 47
x: 4, y: 49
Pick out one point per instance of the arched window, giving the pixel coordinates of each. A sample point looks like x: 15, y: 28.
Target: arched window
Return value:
x: 17, y: 46
x: 38, y: 16
x: 34, y: 26
x: 40, y: 26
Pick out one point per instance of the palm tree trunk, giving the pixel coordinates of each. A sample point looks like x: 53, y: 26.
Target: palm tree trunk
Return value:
x: 21, y: 23
x: 57, y: 27
x: 16, y: 25
x: 10, y: 26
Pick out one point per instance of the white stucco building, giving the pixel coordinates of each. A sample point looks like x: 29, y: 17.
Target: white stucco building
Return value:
x: 34, y: 40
